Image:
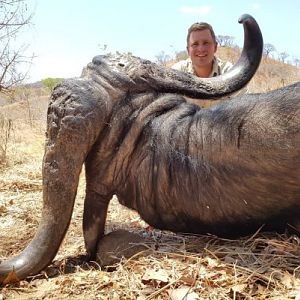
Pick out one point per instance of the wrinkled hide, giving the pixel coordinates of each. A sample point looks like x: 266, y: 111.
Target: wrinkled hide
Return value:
x: 227, y: 170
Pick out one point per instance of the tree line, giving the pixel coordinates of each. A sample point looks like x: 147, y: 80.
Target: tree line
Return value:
x: 269, y: 51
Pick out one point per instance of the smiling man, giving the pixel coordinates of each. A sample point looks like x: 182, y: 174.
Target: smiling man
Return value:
x: 201, y: 47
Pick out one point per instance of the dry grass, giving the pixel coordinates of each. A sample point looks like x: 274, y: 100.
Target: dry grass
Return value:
x: 263, y: 266
x: 270, y: 75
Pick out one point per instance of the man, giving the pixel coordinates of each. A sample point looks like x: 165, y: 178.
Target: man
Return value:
x: 202, y: 62
x: 201, y: 48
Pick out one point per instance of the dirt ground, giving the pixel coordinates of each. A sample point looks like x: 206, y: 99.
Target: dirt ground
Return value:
x: 172, y: 266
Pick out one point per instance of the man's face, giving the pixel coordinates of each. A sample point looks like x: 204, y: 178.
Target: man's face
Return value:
x: 201, y: 48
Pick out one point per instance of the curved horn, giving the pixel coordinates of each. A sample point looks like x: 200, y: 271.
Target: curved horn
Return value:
x: 67, y: 145
x: 244, y: 69
x: 174, y: 81
x: 57, y: 198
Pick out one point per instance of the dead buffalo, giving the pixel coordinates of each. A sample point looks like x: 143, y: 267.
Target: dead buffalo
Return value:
x: 226, y: 170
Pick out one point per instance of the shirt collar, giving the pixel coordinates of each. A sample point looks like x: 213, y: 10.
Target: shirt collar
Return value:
x: 215, y: 68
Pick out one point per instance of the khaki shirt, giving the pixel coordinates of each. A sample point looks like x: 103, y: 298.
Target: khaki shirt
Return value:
x: 219, y: 67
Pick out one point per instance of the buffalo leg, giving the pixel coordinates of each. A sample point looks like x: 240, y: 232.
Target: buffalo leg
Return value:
x: 94, y: 217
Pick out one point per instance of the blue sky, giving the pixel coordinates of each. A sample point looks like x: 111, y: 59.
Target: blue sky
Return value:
x: 66, y: 34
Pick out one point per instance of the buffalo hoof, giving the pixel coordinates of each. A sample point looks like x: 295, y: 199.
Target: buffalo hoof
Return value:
x: 117, y: 245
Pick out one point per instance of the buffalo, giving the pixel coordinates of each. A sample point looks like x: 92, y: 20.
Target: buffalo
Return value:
x: 228, y: 170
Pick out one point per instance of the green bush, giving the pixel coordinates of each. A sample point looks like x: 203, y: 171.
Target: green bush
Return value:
x: 50, y: 82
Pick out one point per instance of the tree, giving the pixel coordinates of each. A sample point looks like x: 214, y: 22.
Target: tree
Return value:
x: 50, y: 83
x: 14, y: 16
x: 268, y: 48
x: 297, y: 62
x: 225, y: 40
x: 181, y: 55
x: 162, y: 58
x: 283, y: 56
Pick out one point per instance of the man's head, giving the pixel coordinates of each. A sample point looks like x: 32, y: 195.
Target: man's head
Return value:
x: 201, y: 47
x: 200, y: 26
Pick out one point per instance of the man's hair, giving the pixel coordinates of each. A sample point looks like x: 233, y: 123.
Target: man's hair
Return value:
x: 200, y: 26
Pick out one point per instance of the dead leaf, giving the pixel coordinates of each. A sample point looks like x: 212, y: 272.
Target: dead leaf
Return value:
x: 237, y: 291
x: 66, y: 282
x: 103, y: 277
x: 3, y: 210
x: 238, y: 288
x: 188, y: 280
x: 157, y: 278
x: 212, y: 262
x: 183, y: 293
x: 10, y: 278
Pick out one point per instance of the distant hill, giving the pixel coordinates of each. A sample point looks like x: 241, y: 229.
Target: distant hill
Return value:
x: 37, y: 84
x: 19, y: 92
x: 271, y: 74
